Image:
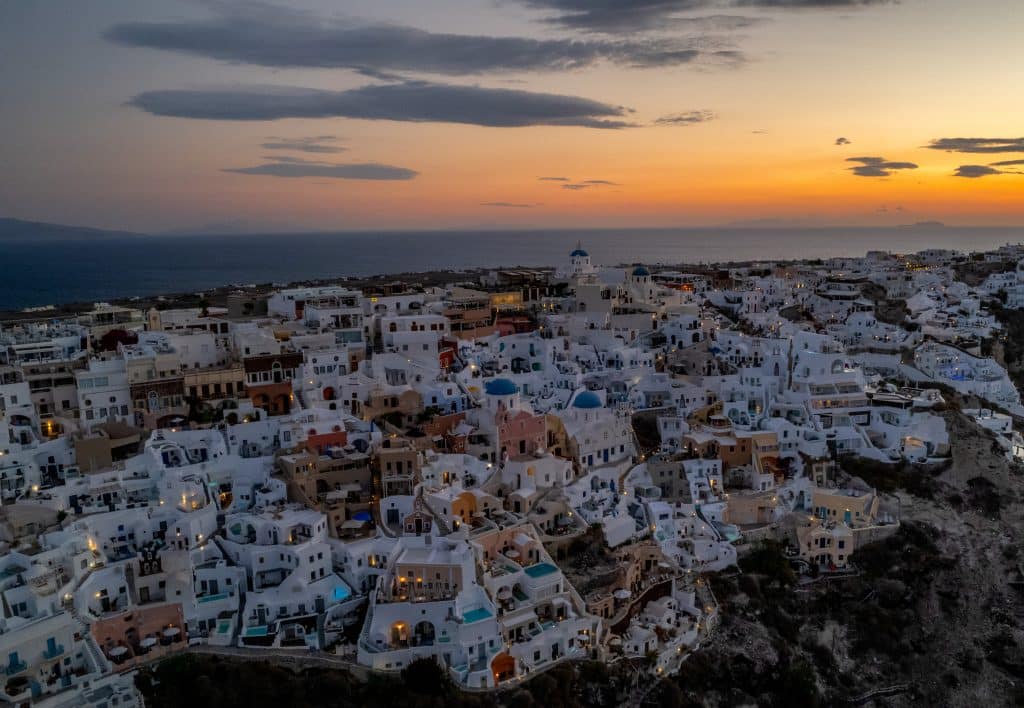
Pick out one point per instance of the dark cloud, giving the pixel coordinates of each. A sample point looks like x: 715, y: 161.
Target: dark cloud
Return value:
x: 588, y: 183
x: 974, y: 171
x: 978, y: 145
x: 842, y: 141
x: 294, y: 160
x: 268, y: 36
x: 610, y: 16
x: 508, y: 205
x: 315, y: 144
x: 414, y: 101
x: 878, y: 166
x: 553, y: 179
x: 294, y: 167
x: 686, y: 118
x: 1008, y: 163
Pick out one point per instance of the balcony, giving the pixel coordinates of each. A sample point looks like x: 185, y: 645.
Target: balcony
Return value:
x: 15, y: 667
x: 53, y: 651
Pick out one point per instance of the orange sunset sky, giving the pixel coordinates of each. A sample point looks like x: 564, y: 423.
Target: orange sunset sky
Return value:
x: 235, y: 116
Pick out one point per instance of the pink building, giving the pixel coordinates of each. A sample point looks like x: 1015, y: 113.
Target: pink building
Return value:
x: 519, y: 432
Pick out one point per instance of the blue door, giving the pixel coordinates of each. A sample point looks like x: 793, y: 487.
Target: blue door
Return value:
x: 51, y: 647
x: 847, y: 517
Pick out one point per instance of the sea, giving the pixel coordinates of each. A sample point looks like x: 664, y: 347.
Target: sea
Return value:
x: 40, y: 272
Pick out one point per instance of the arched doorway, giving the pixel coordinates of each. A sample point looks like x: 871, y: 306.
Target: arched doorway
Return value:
x: 423, y: 634
x: 399, y: 634
x: 503, y: 666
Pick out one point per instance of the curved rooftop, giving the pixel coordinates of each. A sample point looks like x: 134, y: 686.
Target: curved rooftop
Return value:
x: 579, y: 253
x: 587, y: 399
x: 640, y: 271
x: 500, y: 387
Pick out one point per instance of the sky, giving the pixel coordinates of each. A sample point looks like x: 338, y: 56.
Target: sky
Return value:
x: 233, y: 116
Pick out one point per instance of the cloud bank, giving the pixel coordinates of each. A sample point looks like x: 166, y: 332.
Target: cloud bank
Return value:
x: 975, y: 171
x: 686, y: 118
x: 295, y: 168
x: 878, y: 166
x: 413, y: 101
x: 588, y: 183
x: 612, y: 16
x: 313, y: 144
x: 978, y: 145
x: 263, y: 35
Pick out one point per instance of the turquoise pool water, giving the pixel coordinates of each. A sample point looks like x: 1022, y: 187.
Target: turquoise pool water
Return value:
x: 341, y: 592
x: 540, y: 570
x: 260, y: 631
x: 211, y: 598
x: 223, y: 627
x: 480, y: 613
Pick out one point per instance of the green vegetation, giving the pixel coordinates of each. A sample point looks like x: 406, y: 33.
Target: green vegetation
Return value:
x: 190, y: 680
x: 212, y: 681
x: 768, y: 562
x: 916, y: 479
x: 1013, y: 339
x: 777, y: 645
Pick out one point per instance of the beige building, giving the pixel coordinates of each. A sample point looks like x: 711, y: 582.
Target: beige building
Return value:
x: 469, y: 312
x: 399, y: 464
x: 843, y: 520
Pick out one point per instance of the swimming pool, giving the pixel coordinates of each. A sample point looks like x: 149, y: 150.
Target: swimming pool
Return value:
x: 213, y: 598
x: 341, y: 592
x: 540, y: 570
x: 260, y: 631
x: 362, y: 516
x: 480, y: 613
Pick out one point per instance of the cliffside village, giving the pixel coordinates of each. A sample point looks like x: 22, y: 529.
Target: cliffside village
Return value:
x: 533, y: 467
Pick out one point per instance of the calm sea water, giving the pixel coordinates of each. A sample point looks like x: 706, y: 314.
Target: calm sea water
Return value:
x: 49, y: 272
